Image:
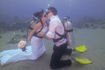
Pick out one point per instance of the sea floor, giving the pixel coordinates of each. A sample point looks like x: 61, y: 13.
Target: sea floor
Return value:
x: 93, y: 39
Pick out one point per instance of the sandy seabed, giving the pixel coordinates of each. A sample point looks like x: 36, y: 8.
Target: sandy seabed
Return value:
x: 94, y: 39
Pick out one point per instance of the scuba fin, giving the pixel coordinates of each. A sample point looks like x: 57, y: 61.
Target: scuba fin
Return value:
x: 81, y: 48
x: 83, y: 60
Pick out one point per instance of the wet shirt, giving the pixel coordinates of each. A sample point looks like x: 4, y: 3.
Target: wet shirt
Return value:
x: 56, y: 25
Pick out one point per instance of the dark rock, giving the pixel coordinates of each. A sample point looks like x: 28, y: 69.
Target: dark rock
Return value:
x: 13, y: 41
x: 0, y: 36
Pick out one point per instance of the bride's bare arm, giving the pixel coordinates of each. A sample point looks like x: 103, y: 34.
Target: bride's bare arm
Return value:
x: 36, y: 27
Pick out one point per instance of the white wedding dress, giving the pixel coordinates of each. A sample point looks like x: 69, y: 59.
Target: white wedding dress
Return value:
x: 32, y: 52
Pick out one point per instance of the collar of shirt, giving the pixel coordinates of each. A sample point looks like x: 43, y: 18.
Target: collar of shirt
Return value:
x: 53, y: 17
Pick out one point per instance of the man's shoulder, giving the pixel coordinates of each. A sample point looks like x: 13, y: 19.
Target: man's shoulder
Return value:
x: 55, y: 19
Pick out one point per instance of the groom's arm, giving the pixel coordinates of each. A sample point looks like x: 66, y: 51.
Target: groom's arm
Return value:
x: 52, y: 28
x: 47, y: 37
x: 51, y: 32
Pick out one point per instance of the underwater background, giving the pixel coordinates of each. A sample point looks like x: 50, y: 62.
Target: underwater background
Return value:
x: 79, y: 11
x: 88, y: 20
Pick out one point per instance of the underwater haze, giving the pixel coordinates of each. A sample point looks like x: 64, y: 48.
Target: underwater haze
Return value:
x: 88, y: 19
x: 76, y: 9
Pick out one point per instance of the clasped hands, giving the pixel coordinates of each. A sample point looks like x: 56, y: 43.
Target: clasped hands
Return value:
x: 41, y: 34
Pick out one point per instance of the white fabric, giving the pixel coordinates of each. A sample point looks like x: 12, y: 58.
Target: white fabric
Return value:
x: 35, y: 50
x: 56, y: 25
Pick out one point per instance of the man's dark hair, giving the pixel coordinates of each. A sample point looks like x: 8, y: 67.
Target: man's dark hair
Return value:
x: 53, y: 10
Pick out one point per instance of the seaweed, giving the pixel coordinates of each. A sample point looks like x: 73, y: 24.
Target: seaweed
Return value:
x: 0, y: 36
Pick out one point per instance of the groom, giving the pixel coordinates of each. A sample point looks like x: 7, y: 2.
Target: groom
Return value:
x: 56, y: 32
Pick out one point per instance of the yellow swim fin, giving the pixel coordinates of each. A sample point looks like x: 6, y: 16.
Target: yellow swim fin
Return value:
x: 83, y: 60
x: 81, y: 48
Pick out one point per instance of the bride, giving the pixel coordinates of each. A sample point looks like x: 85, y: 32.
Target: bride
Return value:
x: 33, y: 51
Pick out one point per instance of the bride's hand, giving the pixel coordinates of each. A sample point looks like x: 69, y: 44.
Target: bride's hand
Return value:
x: 26, y: 43
x: 24, y: 48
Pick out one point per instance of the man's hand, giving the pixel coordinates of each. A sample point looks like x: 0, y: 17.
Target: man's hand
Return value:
x: 41, y: 34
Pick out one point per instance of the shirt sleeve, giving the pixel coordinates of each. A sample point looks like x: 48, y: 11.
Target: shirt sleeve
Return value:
x: 52, y: 28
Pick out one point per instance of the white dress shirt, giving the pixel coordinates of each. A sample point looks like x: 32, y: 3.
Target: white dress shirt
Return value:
x: 56, y: 25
